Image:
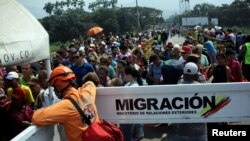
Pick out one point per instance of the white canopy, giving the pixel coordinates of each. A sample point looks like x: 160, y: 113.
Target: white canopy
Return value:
x: 22, y: 38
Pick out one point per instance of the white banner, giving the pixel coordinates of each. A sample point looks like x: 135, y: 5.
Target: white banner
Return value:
x: 166, y: 104
x: 22, y: 37
x: 175, y: 104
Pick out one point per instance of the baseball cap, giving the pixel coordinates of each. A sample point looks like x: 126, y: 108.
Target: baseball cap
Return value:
x: 73, y: 50
x: 186, y: 49
x: 158, y: 47
x: 12, y: 75
x: 190, y: 68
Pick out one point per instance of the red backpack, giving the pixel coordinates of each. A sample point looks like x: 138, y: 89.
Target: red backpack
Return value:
x: 99, y: 131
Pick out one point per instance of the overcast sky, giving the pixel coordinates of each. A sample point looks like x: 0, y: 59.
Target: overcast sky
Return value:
x: 169, y: 7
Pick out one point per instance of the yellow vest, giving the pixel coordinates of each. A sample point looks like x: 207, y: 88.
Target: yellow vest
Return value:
x: 247, y: 55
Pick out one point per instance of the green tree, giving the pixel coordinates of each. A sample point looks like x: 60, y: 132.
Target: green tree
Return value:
x: 107, y: 19
x: 102, y: 4
x: 59, y: 7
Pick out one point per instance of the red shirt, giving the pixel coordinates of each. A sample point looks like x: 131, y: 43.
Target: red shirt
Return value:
x: 235, y: 67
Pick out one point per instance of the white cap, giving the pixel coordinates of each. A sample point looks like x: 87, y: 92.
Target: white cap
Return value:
x: 12, y: 75
x: 190, y: 68
x: 177, y: 46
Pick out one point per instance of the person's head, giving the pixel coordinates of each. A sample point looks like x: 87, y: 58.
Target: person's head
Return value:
x: 138, y: 52
x: 194, y: 42
x: 116, y: 82
x: 155, y: 59
x: 175, y: 52
x: 92, y: 60
x: 78, y: 58
x: 12, y: 79
x: 115, y: 50
x: 34, y: 86
x: 124, y: 49
x: 103, y: 72
x: 186, y: 51
x: 104, y: 60
x: 221, y: 58
x: 195, y: 59
x: 169, y: 46
x: 11, y: 68
x: 26, y: 70
x: 91, y: 76
x: 230, y: 54
x: 190, y: 72
x: 61, y: 78
x: 121, y: 64
x: 157, y: 49
x: 102, y: 47
x: 42, y: 77
x: 131, y: 74
x: 198, y: 49
x: 71, y: 52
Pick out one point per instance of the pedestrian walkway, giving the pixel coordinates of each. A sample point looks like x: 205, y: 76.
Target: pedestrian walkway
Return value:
x: 176, y: 40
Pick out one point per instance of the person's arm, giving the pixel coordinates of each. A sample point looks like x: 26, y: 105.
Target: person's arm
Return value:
x: 240, y: 74
x: 53, y: 114
x: 229, y: 75
x: 210, y: 71
x: 242, y: 53
x: 28, y: 95
x: 150, y: 72
x: 88, y: 88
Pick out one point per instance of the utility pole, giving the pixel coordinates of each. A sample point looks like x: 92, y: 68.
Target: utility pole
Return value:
x: 138, y: 16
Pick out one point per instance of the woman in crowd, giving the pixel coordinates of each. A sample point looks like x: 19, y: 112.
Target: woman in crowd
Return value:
x: 221, y: 72
x: 132, y: 132
x: 102, y: 73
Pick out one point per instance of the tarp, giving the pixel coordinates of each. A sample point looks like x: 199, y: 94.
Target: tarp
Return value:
x: 22, y: 37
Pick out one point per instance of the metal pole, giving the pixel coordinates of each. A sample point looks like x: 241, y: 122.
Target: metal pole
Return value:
x: 48, y: 68
x: 138, y: 16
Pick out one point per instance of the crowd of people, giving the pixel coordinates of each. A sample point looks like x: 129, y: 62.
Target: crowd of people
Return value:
x: 110, y: 60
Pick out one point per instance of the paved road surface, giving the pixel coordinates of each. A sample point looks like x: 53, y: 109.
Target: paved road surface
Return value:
x: 176, y: 40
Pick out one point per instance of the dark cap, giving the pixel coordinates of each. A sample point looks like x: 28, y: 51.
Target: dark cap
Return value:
x: 73, y: 50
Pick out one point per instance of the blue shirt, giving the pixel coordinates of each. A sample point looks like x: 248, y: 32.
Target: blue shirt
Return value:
x: 155, y: 71
x: 81, y: 71
x: 209, y: 45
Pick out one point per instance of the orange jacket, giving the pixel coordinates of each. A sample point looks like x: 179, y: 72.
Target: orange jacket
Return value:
x: 65, y: 113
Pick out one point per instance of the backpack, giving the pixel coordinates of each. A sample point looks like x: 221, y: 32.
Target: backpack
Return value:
x: 99, y: 131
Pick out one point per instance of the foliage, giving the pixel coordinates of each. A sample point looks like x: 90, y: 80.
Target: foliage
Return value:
x: 235, y: 14
x: 57, y: 8
x: 102, y: 4
x: 68, y: 19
